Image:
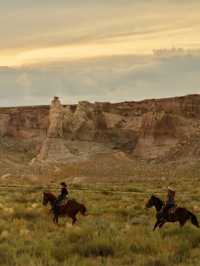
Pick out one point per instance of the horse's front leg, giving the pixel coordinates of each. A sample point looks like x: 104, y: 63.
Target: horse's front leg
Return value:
x: 156, y: 225
x: 74, y: 220
x: 55, y: 219
x: 161, y: 224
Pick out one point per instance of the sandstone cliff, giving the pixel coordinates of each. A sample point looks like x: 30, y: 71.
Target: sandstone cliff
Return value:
x: 54, y: 147
x: 150, y: 129
x: 86, y: 122
x: 24, y: 122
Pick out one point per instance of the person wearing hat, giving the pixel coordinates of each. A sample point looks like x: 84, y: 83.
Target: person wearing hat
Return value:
x: 62, y: 197
x: 170, y: 202
x: 63, y: 193
x: 170, y: 197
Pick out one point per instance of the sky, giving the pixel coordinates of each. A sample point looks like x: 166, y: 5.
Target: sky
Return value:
x: 98, y: 50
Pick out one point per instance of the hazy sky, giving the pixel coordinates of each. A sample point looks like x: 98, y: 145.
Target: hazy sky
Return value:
x: 97, y: 50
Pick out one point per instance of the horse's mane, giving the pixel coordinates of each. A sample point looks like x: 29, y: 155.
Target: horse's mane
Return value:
x: 157, y: 198
x: 159, y: 201
x: 50, y: 194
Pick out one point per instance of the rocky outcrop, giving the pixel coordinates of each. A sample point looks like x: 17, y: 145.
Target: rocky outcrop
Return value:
x: 158, y: 132
x: 56, y: 116
x: 54, y: 147
x: 54, y: 150
x: 86, y: 122
x: 159, y: 125
x: 4, y: 124
x: 22, y: 122
x: 148, y: 129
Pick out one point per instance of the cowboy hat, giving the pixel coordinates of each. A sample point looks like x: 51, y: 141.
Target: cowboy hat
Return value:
x: 63, y: 184
x: 170, y: 189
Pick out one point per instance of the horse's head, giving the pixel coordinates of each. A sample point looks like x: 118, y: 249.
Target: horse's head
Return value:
x: 45, y: 199
x: 150, y: 203
x: 48, y: 197
x: 154, y: 202
x: 83, y: 209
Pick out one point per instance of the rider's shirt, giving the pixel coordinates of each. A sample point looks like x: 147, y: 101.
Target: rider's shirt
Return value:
x: 63, y: 195
x: 170, y: 198
x: 64, y: 192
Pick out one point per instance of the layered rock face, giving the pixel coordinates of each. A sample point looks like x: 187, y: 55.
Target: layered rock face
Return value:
x: 146, y: 129
x: 4, y: 124
x: 86, y: 122
x: 54, y: 150
x: 159, y: 131
x: 54, y: 147
x: 24, y: 122
x: 56, y: 117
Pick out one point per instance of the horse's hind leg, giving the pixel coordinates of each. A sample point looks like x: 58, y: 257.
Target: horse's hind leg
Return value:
x: 161, y: 224
x: 182, y: 223
x: 74, y: 220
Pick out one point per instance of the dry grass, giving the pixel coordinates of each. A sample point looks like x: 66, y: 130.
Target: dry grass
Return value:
x: 117, y: 231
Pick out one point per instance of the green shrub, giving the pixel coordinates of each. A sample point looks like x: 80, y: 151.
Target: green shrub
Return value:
x: 95, y: 248
x: 7, y: 254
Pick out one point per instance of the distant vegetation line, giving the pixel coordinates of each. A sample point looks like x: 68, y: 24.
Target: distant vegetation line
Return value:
x: 10, y: 187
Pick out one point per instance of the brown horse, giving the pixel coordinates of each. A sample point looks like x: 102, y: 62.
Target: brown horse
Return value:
x: 180, y: 215
x: 70, y: 209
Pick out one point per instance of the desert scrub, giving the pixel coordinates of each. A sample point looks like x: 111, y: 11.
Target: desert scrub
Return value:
x: 117, y: 230
x: 7, y: 254
x: 26, y: 214
x: 96, y: 248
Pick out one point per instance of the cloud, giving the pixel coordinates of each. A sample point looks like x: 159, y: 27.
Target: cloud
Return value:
x: 86, y: 50
x: 117, y: 78
x: 24, y: 80
x: 37, y: 25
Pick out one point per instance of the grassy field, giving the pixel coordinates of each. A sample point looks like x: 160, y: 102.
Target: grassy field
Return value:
x: 117, y: 231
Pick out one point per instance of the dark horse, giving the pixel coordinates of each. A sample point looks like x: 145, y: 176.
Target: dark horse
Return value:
x: 70, y: 209
x: 180, y: 215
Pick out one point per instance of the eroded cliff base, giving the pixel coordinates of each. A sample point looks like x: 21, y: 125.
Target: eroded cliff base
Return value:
x: 103, y: 140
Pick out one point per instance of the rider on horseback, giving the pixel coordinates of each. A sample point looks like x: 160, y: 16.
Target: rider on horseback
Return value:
x: 170, y: 202
x: 62, y: 197
x: 63, y: 193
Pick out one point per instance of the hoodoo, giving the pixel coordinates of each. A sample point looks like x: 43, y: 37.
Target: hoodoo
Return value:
x: 54, y: 147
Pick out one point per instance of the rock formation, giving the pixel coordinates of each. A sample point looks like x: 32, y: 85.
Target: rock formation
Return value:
x: 146, y: 129
x: 159, y: 125
x: 87, y: 122
x: 54, y: 150
x: 56, y: 116
x: 19, y: 122
x: 54, y: 147
x: 158, y: 132
x: 4, y: 124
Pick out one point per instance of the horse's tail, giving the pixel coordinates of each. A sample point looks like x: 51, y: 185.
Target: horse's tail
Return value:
x: 83, y: 209
x: 194, y: 220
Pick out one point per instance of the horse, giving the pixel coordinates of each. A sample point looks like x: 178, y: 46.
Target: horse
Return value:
x: 180, y: 215
x: 70, y: 209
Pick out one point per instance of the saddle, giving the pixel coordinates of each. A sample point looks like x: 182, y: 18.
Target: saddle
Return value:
x: 172, y: 210
x: 63, y: 202
x: 166, y: 211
